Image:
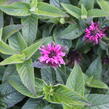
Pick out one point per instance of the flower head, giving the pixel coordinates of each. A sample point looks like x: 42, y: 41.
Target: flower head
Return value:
x: 52, y: 54
x: 94, y: 33
x: 72, y: 57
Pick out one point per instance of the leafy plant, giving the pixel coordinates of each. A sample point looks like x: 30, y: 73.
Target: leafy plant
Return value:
x: 54, y: 54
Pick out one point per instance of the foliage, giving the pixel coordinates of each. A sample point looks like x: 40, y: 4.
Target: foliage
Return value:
x: 81, y: 83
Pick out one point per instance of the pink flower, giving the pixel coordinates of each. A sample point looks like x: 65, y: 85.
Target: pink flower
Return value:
x: 52, y: 54
x: 94, y: 33
x: 72, y: 57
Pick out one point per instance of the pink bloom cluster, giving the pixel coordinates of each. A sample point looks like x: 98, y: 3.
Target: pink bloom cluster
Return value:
x: 94, y: 33
x: 52, y: 54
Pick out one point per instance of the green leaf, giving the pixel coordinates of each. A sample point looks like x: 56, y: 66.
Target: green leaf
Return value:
x: 2, y: 104
x: 103, y: 45
x: 91, y: 82
x: 46, y: 9
x: 16, y: 9
x: 33, y: 3
x: 2, y: 69
x: 29, y: 51
x: 2, y: 2
x: 104, y: 5
x: 17, y: 42
x: 10, y: 30
x: 97, y: 13
x: 63, y: 95
x: 63, y: 42
x: 1, y: 20
x: 1, y: 24
x: 9, y: 70
x: 26, y: 73
x: 10, y: 96
x: 72, y: 10
x: 60, y: 76
x: 72, y: 32
x: 7, y: 2
x: 31, y: 104
x: 57, y: 2
x: 39, y: 85
x: 14, y: 59
x: 1, y: 31
x: 76, y: 80
x: 89, y: 4
x: 83, y: 12
x: 39, y: 104
x: 14, y: 80
x: 48, y: 75
x: 30, y: 29
x: 26, y: 1
x: 95, y: 69
x: 72, y: 107
x: 98, y: 101
x: 6, y: 49
x: 17, y: 84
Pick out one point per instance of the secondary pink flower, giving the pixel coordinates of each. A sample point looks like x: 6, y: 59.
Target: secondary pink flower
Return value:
x: 72, y: 57
x: 52, y: 54
x: 94, y: 33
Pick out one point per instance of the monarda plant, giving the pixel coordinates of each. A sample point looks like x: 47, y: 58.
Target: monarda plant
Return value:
x: 54, y: 54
